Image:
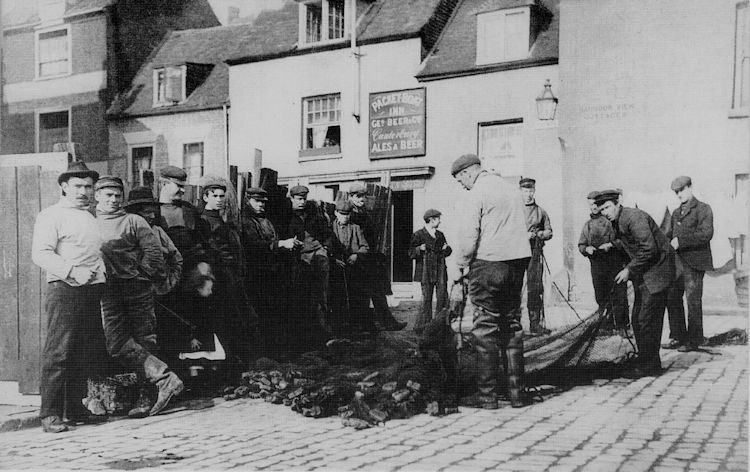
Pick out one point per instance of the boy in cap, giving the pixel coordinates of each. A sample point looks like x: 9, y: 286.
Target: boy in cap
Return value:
x: 134, y: 261
x: 596, y: 244
x: 539, y: 231
x: 347, y: 250
x: 429, y: 248
x: 690, y: 234
x: 651, y: 268
x: 66, y: 244
x: 375, y: 263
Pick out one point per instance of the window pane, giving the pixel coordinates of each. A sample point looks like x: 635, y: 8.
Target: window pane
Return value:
x: 53, y: 128
x: 314, y: 22
x: 193, y: 161
x: 52, y: 50
x: 141, y: 160
x: 321, y: 126
x: 501, y: 148
x: 516, y: 38
x: 490, y: 37
x: 335, y: 19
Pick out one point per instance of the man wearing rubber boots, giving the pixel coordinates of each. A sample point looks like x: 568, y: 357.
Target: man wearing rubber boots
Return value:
x: 132, y: 255
x: 493, y: 246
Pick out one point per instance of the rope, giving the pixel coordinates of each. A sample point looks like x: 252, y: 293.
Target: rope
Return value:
x: 564, y: 297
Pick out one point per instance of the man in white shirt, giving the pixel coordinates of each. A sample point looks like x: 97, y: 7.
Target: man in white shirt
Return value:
x: 66, y: 244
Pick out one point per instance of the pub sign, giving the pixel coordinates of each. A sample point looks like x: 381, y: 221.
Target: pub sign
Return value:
x: 397, y: 123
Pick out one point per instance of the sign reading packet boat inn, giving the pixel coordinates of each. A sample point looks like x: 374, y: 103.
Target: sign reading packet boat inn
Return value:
x: 397, y: 126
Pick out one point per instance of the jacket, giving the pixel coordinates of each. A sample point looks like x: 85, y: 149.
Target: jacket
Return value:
x: 537, y: 220
x: 310, y: 227
x: 430, y: 264
x: 183, y: 225
x: 693, y: 226
x: 130, y: 248
x: 651, y: 256
x: 350, y: 239
x: 223, y: 248
x: 172, y: 262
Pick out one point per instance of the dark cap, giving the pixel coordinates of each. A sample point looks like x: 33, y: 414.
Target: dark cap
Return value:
x: 358, y: 188
x: 214, y: 186
x: 527, y: 182
x: 140, y: 196
x: 467, y: 160
x: 298, y: 190
x: 431, y: 213
x: 607, y: 195
x: 343, y: 206
x: 681, y: 182
x: 592, y: 194
x: 257, y: 194
x: 77, y: 169
x: 174, y: 174
x: 108, y: 181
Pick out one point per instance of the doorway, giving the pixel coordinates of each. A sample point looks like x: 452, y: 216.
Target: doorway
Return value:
x: 403, y: 219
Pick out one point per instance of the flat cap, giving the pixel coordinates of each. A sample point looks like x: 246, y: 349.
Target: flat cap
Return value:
x: 431, y: 213
x: 527, y: 182
x: 108, y: 181
x: 343, y: 206
x: 606, y: 195
x: 140, y: 196
x: 358, y: 188
x: 173, y: 173
x: 77, y: 169
x: 257, y: 193
x: 681, y: 182
x: 467, y: 160
x: 214, y: 186
x: 298, y: 190
x: 592, y: 194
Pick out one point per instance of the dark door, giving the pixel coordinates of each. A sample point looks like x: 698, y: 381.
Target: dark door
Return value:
x: 403, y: 217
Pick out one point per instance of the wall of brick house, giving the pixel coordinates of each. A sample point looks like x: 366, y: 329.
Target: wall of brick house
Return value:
x: 645, y: 96
x: 168, y: 134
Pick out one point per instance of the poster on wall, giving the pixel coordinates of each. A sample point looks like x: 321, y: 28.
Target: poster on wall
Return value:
x: 397, y: 123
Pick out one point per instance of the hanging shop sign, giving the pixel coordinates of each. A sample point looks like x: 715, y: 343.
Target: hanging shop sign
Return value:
x: 397, y: 124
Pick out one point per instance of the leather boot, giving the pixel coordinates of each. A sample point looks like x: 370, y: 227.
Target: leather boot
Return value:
x: 535, y: 323
x: 142, y: 405
x: 486, y: 336
x: 168, y: 383
x: 516, y: 384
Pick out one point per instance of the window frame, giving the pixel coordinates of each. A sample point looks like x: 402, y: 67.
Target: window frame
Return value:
x: 737, y: 110
x: 481, y: 58
x: 155, y: 82
x: 203, y: 161
x: 69, y: 58
x: 324, y: 152
x: 324, y: 23
x: 507, y: 122
x: 131, y: 162
x: 37, y: 124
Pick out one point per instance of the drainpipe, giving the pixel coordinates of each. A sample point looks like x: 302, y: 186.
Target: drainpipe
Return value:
x: 226, y: 138
x: 357, y: 59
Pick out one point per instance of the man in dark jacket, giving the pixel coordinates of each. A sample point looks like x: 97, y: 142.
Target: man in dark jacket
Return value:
x: 429, y: 248
x: 690, y: 233
x: 539, y: 231
x: 651, y: 268
x: 606, y: 261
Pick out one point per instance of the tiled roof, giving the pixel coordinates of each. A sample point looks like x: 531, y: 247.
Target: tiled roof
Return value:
x: 201, y: 46
x: 276, y: 34
x: 455, y: 51
x: 24, y: 12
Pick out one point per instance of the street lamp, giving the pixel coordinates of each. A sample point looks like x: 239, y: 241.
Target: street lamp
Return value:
x: 546, y: 103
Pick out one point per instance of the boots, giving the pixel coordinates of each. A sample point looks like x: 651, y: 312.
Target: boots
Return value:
x: 535, y: 324
x: 168, y: 383
x: 486, y: 338
x: 142, y: 405
x: 516, y: 384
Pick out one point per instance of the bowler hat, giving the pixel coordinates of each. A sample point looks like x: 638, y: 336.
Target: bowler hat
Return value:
x: 527, y: 182
x: 343, y: 206
x: 140, y: 196
x: 681, y: 182
x: 257, y: 194
x: 431, y: 213
x: 77, y: 169
x: 107, y: 181
x: 357, y: 188
x: 467, y: 160
x: 298, y: 190
x: 173, y: 173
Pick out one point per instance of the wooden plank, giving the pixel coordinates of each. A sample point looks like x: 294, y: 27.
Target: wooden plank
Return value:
x: 29, y: 289
x: 9, y: 280
x: 49, y: 194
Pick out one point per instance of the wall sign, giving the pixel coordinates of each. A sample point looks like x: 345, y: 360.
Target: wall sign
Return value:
x: 397, y: 123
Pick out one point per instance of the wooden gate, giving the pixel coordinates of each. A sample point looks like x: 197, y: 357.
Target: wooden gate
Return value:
x: 24, y: 191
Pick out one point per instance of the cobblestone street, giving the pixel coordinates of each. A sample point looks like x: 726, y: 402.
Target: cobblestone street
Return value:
x: 693, y: 417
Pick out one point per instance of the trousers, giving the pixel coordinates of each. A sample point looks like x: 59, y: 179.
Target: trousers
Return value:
x: 689, y: 282
x: 440, y: 287
x: 608, y: 294
x: 74, y: 349
x: 648, y: 323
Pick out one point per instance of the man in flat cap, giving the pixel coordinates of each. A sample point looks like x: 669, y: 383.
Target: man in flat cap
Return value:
x: 66, y: 244
x: 493, y: 245
x: 539, y: 231
x: 651, y: 268
x: 349, y: 277
x: 429, y: 248
x: 690, y: 233
x: 375, y: 262
x: 267, y: 268
x: 233, y: 319
x: 597, y: 245
x: 134, y: 261
x: 310, y: 271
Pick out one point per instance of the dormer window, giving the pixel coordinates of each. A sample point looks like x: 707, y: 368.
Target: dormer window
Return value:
x: 169, y: 85
x: 503, y: 35
x: 321, y: 21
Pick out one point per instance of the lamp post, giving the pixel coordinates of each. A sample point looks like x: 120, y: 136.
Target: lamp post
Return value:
x: 546, y: 103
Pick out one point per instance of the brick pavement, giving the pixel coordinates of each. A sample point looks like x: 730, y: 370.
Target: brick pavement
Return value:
x: 692, y: 418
